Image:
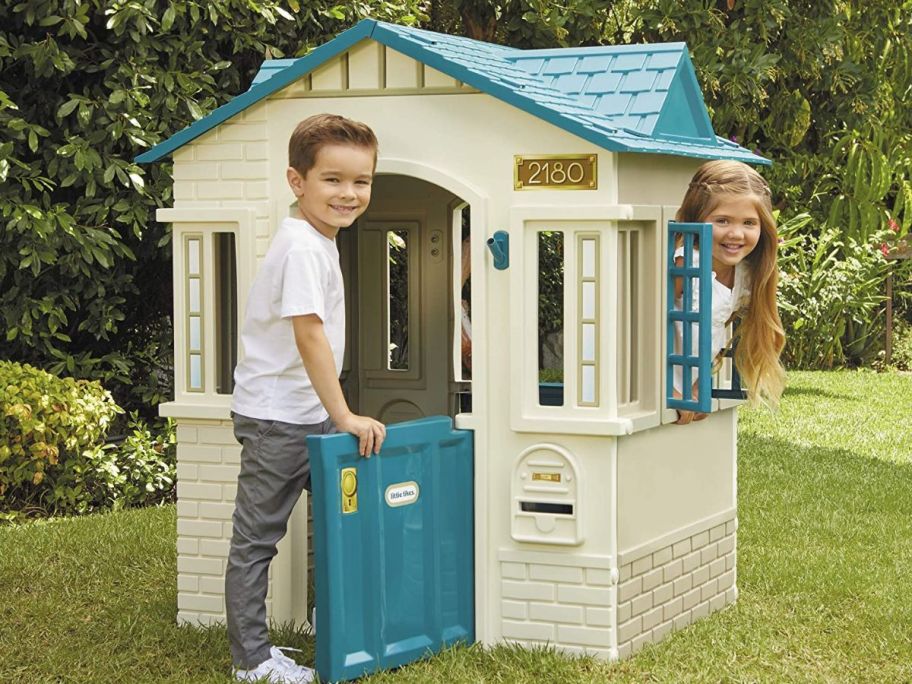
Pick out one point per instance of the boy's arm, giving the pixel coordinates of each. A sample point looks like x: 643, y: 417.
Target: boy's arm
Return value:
x: 320, y: 365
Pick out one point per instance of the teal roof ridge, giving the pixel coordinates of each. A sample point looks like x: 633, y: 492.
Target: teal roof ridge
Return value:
x: 629, y: 98
x: 588, y: 50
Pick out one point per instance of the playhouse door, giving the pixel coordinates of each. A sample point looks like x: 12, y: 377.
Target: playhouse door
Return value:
x: 393, y: 547
x: 403, y: 333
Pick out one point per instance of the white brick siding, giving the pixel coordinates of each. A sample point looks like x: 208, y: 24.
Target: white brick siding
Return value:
x: 207, y: 472
x: 228, y: 167
x: 669, y: 588
x: 564, y: 601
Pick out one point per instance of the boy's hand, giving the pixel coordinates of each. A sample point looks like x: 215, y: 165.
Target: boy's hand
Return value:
x: 370, y: 432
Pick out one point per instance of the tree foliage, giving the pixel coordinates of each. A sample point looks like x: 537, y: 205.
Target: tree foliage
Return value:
x: 85, y: 86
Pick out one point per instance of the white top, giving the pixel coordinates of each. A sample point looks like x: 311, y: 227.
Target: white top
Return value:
x: 300, y: 275
x: 725, y: 302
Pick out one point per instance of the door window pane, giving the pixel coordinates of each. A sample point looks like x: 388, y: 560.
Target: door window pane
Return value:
x: 397, y: 243
x: 465, y: 294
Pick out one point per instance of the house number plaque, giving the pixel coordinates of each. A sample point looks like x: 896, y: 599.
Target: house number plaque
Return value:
x: 556, y: 172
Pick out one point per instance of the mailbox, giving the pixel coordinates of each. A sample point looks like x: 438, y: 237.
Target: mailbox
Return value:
x: 545, y: 497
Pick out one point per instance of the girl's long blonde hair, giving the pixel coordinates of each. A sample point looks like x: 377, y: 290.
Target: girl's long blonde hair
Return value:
x: 761, y: 336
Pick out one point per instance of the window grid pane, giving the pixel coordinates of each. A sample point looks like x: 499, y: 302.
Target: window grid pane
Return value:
x: 588, y: 331
x: 196, y: 334
x: 196, y: 372
x: 193, y: 265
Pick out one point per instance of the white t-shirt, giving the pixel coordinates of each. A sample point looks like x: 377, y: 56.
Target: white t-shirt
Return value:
x: 725, y: 302
x: 300, y: 275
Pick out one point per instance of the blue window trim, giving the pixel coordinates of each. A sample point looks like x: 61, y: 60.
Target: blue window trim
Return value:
x: 735, y: 391
x: 692, y: 233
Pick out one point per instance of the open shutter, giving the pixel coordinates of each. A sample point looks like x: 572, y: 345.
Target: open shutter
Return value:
x: 695, y: 323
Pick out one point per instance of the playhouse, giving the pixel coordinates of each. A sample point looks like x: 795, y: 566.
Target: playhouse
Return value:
x: 598, y: 525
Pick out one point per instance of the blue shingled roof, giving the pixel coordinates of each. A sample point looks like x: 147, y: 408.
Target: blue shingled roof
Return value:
x: 627, y: 98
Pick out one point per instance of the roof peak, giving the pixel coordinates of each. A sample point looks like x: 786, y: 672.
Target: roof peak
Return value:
x: 616, y: 97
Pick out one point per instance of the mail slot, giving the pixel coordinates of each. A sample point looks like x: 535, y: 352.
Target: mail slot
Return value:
x: 545, y: 495
x: 539, y: 507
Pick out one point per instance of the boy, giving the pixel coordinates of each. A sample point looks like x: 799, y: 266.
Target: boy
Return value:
x: 287, y: 386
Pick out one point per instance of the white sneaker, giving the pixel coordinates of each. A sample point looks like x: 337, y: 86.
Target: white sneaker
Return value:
x: 279, y: 669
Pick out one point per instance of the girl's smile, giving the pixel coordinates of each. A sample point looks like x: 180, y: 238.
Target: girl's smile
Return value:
x: 736, y: 232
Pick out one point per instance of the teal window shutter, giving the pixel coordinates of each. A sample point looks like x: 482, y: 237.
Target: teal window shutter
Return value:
x: 695, y: 271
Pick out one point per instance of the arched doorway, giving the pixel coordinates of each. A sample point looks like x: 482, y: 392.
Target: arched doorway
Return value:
x: 400, y: 264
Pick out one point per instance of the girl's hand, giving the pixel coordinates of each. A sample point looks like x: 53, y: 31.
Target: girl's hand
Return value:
x: 685, y: 417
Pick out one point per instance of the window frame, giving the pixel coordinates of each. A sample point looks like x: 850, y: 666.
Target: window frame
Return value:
x: 204, y: 224
x: 526, y: 414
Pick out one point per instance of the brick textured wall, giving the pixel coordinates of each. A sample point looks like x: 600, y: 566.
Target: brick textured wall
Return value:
x: 228, y: 167
x: 208, y: 461
x: 669, y: 588
x: 566, y: 602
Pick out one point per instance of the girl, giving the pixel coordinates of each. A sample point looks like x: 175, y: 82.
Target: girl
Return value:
x: 735, y: 199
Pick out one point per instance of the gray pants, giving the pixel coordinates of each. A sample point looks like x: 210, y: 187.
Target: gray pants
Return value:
x: 275, y: 467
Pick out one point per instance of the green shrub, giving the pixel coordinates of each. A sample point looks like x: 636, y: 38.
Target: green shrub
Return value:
x: 146, y: 460
x: 831, y: 296
x: 902, y: 345
x: 53, y: 454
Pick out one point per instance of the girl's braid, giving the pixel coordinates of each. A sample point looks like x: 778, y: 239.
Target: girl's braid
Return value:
x: 711, y: 186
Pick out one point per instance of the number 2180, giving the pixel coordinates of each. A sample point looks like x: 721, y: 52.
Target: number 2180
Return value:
x: 554, y: 173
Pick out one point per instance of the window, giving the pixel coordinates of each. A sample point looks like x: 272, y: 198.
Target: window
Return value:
x: 211, y: 310
x: 688, y: 358
x: 628, y: 310
x: 550, y: 317
x: 214, y: 254
x: 586, y: 300
x: 226, y: 310
x: 193, y: 251
x: 397, y: 291
x: 588, y: 319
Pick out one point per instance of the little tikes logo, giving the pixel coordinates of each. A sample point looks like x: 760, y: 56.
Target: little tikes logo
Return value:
x: 402, y: 494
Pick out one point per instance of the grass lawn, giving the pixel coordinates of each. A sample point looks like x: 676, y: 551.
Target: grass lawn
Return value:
x: 824, y: 572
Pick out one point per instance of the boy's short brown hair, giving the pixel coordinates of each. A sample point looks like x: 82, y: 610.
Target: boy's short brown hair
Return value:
x: 326, y: 129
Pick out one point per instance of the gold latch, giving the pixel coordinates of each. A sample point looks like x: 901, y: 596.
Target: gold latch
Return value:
x: 349, y: 490
x: 546, y: 477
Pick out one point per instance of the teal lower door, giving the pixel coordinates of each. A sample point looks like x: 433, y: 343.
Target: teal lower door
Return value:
x: 393, y: 547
